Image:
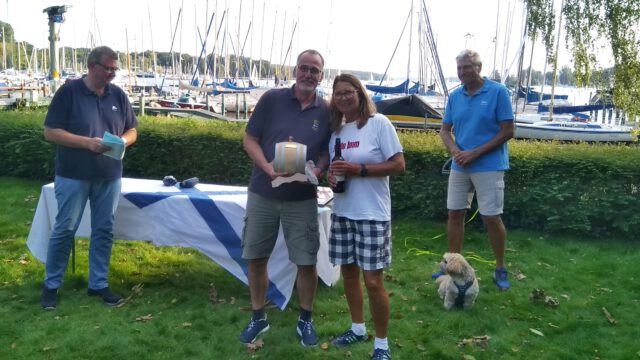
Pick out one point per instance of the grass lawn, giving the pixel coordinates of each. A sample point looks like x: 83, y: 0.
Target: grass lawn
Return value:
x: 184, y: 306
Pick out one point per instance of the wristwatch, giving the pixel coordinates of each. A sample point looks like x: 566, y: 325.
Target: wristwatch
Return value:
x: 363, y: 170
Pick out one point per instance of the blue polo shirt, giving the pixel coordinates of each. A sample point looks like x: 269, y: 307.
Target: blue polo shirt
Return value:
x: 476, y: 120
x: 277, y: 116
x: 78, y: 110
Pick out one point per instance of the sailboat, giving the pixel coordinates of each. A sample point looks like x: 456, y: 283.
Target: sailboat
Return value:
x: 547, y: 126
x: 405, y: 104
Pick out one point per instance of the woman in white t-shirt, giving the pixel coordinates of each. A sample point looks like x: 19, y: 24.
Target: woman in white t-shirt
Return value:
x: 361, y: 216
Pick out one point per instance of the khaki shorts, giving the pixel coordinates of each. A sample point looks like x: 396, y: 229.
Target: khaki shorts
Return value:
x: 299, y: 221
x: 488, y: 186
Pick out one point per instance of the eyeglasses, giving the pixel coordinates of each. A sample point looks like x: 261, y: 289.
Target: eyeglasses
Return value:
x: 108, y: 68
x: 347, y: 95
x: 309, y: 69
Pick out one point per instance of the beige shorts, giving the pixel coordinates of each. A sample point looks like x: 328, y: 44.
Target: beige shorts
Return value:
x: 488, y: 186
x: 299, y: 221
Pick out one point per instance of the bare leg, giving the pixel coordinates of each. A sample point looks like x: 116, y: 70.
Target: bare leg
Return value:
x: 455, y: 230
x: 497, y: 236
x: 353, y: 292
x: 378, y: 301
x: 307, y: 282
x: 258, y: 282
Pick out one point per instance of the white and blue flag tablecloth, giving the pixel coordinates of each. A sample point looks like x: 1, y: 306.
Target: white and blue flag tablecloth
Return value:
x: 208, y: 217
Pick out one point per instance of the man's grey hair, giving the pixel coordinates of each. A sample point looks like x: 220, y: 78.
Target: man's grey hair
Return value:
x: 95, y: 56
x: 312, y: 52
x: 471, y: 55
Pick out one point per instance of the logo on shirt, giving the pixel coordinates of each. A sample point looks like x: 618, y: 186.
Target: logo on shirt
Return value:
x: 316, y: 125
x: 351, y: 144
x: 114, y: 108
x: 484, y: 103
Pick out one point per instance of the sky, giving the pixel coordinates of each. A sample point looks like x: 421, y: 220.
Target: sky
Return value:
x: 351, y: 34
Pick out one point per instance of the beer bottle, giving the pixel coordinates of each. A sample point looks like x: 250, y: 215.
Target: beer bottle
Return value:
x: 340, y: 180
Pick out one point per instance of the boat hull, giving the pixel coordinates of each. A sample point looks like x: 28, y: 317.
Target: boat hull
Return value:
x: 410, y: 111
x: 573, y: 131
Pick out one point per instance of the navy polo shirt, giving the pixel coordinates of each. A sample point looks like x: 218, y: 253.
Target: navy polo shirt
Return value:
x: 78, y: 110
x: 277, y: 116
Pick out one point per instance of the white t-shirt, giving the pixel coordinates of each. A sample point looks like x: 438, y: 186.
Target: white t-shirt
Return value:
x: 366, y: 198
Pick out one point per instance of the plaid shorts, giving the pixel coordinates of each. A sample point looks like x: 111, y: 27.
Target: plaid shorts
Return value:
x: 365, y: 242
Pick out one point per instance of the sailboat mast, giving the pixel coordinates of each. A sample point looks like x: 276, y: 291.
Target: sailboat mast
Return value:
x: 555, y: 63
x: 249, y: 71
x: 495, y: 42
x: 328, y: 51
x: 142, y: 48
x: 273, y: 38
x: 4, y: 52
x: 238, y: 50
x: 153, y: 53
x: 126, y: 32
x: 180, y: 45
x: 406, y: 88
x: 284, y: 25
x: 261, y: 42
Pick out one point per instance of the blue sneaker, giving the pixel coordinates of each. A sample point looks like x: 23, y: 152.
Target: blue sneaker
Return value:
x: 379, y: 354
x: 500, y: 277
x: 255, y: 328
x: 348, y: 338
x: 307, y: 333
x: 436, y: 274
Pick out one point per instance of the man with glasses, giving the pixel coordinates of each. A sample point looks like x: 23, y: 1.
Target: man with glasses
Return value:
x: 80, y: 113
x: 280, y: 113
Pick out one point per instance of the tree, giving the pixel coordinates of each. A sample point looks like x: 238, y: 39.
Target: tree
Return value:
x: 495, y: 76
x: 540, y: 21
x: 511, y: 82
x: 536, y: 77
x: 566, y: 77
x: 588, y: 21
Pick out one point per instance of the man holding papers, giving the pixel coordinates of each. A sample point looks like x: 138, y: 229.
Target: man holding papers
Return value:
x: 87, y: 119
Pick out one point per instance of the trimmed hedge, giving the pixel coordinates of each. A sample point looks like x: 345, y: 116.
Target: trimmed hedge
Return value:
x: 583, y: 189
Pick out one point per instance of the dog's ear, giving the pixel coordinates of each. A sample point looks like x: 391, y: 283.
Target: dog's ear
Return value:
x: 453, y: 264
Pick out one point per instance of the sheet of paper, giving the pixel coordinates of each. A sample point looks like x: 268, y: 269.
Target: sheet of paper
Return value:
x: 287, y: 179
x: 115, y: 143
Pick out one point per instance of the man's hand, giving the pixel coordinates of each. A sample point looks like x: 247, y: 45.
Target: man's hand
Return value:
x: 269, y: 170
x: 95, y: 144
x: 464, y: 158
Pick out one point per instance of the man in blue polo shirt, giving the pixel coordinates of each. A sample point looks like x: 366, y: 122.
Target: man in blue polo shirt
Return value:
x: 480, y: 118
x: 280, y: 113
x: 79, y: 114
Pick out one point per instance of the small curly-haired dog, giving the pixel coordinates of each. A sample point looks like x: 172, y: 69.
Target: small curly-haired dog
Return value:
x: 458, y: 286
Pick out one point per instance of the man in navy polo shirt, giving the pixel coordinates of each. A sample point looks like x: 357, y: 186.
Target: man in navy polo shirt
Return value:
x: 280, y: 113
x: 480, y: 116
x: 79, y: 114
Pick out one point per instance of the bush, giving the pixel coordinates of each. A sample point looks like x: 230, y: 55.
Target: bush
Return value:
x: 553, y: 187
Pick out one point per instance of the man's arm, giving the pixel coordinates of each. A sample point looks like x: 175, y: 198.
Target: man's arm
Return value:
x: 65, y: 138
x: 253, y: 149
x: 447, y: 139
x: 130, y: 136
x: 465, y: 158
x: 323, y: 163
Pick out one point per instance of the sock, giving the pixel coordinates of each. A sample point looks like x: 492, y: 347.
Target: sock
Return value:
x: 259, y: 314
x: 358, y: 329
x: 305, y: 315
x: 381, y: 344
